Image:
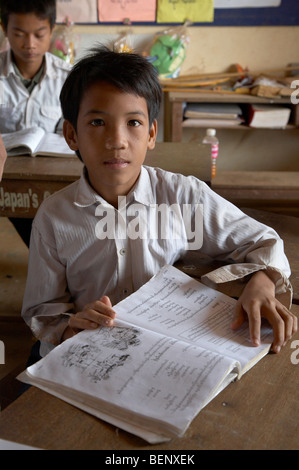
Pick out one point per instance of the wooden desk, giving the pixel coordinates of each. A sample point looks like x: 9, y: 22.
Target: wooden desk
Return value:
x: 27, y: 181
x: 277, y: 191
x: 258, y: 412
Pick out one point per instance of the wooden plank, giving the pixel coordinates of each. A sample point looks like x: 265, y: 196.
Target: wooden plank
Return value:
x: 221, y: 97
x: 257, y: 179
x: 42, y: 168
x: 28, y: 181
x: 277, y: 191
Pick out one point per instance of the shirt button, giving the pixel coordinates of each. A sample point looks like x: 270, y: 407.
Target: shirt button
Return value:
x: 122, y: 251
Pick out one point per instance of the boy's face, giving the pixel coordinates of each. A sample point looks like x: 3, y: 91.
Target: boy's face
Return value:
x: 113, y: 136
x: 29, y: 38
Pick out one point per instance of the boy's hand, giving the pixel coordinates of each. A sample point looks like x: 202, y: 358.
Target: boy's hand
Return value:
x: 93, y: 315
x: 258, y: 301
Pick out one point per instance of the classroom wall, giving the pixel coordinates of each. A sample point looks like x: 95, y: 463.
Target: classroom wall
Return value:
x: 215, y: 49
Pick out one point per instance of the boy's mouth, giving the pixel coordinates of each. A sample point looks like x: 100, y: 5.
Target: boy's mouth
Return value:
x: 116, y: 163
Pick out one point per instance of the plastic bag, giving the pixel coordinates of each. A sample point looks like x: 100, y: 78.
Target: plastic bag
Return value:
x: 123, y: 43
x: 64, y: 43
x: 168, y: 51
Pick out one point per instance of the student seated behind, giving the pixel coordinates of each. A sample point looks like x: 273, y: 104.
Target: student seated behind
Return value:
x: 79, y: 268
x: 30, y: 77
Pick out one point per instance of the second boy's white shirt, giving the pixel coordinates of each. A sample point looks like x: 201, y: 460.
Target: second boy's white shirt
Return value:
x: 70, y: 267
x: 20, y: 109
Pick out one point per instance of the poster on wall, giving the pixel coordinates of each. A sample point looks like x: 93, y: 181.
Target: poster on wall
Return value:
x: 178, y: 11
x: 77, y: 11
x: 246, y: 3
x: 126, y: 11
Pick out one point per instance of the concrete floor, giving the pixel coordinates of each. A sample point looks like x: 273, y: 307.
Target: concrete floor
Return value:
x: 15, y: 335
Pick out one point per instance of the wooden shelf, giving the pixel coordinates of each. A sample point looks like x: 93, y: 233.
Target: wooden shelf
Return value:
x: 187, y: 123
x: 174, y: 108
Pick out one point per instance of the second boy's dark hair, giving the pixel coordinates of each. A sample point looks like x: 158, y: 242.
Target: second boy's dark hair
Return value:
x: 44, y: 9
x: 128, y: 72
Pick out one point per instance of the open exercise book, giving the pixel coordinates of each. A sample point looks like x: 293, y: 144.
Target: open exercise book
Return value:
x: 36, y: 141
x: 170, y: 352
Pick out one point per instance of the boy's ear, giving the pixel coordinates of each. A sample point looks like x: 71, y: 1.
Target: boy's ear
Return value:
x: 152, y: 135
x: 70, y: 135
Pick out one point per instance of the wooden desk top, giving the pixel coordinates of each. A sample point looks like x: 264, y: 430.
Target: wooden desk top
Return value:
x: 186, y: 158
x: 258, y: 412
x: 27, y: 181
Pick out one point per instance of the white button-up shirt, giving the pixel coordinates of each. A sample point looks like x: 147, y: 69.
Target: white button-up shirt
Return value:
x: 83, y: 248
x: 20, y: 109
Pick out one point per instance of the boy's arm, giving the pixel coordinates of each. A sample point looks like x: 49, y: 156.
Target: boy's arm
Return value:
x: 244, y: 246
x: 249, y: 248
x: 48, y: 308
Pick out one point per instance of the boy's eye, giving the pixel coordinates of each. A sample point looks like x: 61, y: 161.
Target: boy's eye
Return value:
x: 134, y: 123
x: 97, y: 122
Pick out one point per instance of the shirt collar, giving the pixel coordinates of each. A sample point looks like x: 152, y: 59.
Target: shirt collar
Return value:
x: 30, y: 83
x: 11, y: 68
x: 50, y: 69
x: 8, y: 63
x: 142, y: 191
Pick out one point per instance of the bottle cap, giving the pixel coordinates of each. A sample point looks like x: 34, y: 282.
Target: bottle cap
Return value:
x: 211, y: 132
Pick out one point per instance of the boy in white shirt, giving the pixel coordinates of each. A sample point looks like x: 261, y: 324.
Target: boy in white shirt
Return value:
x: 86, y: 250
x: 30, y: 77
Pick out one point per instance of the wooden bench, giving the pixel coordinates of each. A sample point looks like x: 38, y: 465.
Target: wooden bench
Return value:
x: 277, y: 191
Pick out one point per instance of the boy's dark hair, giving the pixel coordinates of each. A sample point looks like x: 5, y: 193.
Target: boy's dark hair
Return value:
x: 43, y: 9
x: 129, y: 72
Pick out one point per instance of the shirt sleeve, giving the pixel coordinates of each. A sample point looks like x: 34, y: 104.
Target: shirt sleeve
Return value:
x: 47, y: 299
x: 244, y: 245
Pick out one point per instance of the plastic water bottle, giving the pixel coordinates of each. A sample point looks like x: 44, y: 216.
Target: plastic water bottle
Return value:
x: 210, y: 138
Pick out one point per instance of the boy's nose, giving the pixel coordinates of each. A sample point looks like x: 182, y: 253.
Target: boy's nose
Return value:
x: 116, y: 139
x: 30, y: 41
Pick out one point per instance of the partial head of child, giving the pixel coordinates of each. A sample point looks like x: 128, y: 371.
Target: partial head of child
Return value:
x: 28, y: 25
x: 110, y: 102
x: 42, y: 9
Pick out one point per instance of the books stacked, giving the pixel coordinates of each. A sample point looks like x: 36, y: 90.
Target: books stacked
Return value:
x: 212, y: 115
